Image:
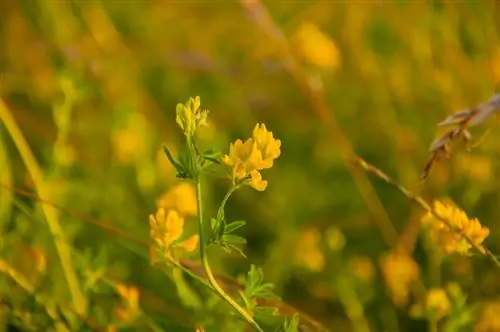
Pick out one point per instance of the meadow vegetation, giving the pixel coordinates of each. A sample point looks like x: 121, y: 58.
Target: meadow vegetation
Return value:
x: 249, y: 166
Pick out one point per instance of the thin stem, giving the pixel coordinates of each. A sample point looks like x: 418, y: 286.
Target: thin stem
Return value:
x: 220, y: 211
x: 51, y: 216
x: 433, y: 325
x: 208, y: 270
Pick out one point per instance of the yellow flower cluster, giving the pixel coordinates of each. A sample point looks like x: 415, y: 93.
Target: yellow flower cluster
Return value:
x: 189, y: 116
x: 450, y: 240
x: 399, y: 271
x: 166, y: 229
x: 255, y: 154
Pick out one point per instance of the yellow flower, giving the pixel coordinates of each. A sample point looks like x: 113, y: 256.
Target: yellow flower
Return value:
x: 308, y: 252
x: 243, y: 157
x: 255, y: 154
x: 450, y: 240
x: 130, y: 295
x: 167, y: 229
x: 489, y: 320
x: 190, y: 243
x: 181, y: 197
x: 316, y: 47
x: 399, y: 271
x: 267, y: 145
x: 362, y: 268
x: 436, y: 304
x: 438, y: 301
x: 189, y: 116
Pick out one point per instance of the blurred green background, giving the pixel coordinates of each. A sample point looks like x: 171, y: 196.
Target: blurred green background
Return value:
x: 93, y: 87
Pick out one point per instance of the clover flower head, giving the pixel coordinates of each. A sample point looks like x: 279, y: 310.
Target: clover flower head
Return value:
x: 248, y: 158
x: 167, y: 229
x: 454, y: 239
x: 189, y: 116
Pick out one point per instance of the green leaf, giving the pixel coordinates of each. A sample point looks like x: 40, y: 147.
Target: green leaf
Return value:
x: 234, y: 226
x: 230, y: 249
x: 233, y: 239
x: 212, y: 155
x: 267, y: 315
x: 101, y: 259
x: 291, y: 325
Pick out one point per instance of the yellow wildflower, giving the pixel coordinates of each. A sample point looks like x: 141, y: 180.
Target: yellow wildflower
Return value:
x: 436, y: 304
x: 450, y: 240
x: 181, y: 197
x: 316, y: 47
x: 308, y: 252
x: 166, y: 229
x: 255, y: 154
x: 362, y: 268
x: 489, y: 320
x: 189, y: 116
x: 399, y: 271
x: 267, y: 145
x: 130, y: 295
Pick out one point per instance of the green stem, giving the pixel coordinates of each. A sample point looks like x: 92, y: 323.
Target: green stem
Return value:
x: 433, y: 325
x: 208, y: 270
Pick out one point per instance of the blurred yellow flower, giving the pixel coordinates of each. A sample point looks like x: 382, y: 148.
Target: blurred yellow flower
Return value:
x: 489, y: 319
x: 450, y: 240
x: 316, y: 47
x: 475, y: 167
x: 166, y: 229
x: 255, y: 154
x: 181, y: 197
x: 362, y: 268
x: 130, y: 295
x: 399, y: 271
x: 437, y: 300
x: 436, y: 304
x: 308, y: 253
x: 129, y: 142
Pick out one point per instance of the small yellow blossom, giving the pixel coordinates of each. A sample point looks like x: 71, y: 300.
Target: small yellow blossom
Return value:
x: 130, y: 295
x: 436, y: 304
x: 267, y: 145
x: 129, y: 142
x: 362, y: 268
x: 399, y: 271
x: 308, y: 252
x: 489, y: 320
x: 255, y: 154
x: 166, y: 229
x: 450, y: 240
x: 189, y: 116
x: 316, y: 47
x: 181, y: 197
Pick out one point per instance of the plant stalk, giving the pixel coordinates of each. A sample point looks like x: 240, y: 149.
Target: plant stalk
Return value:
x: 206, y: 266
